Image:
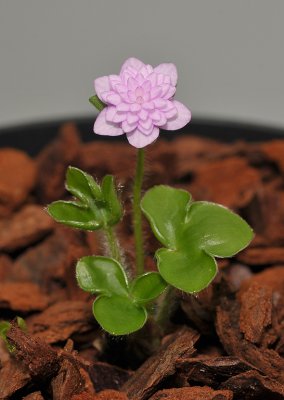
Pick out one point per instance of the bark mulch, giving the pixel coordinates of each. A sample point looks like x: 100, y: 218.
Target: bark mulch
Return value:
x: 225, y: 343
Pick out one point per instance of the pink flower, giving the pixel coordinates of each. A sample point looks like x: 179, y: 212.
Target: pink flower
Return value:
x: 139, y: 101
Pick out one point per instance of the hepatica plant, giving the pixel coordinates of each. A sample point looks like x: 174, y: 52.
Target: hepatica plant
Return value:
x: 139, y: 102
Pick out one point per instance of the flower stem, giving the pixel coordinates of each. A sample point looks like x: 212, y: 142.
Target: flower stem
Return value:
x: 112, y: 244
x: 137, y: 214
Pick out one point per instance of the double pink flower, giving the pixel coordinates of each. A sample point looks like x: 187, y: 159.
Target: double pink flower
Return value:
x: 139, y: 102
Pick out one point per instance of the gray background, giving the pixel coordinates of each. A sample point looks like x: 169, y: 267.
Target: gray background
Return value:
x: 229, y: 54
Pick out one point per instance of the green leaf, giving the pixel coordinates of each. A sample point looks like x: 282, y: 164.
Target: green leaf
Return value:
x: 190, y: 271
x: 4, y: 327
x: 147, y: 287
x: 75, y: 215
x: 118, y: 315
x: 165, y: 209
x: 97, y: 207
x: 101, y: 275
x: 82, y: 185
x: 22, y: 324
x: 95, y: 101
x: 216, y: 229
x: 194, y: 233
x: 110, y: 197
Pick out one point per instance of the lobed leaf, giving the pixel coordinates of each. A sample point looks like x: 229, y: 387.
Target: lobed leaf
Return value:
x: 75, y: 215
x: 165, y: 208
x: 118, y: 309
x: 194, y: 233
x: 102, y: 275
x: 97, y: 207
x: 82, y: 185
x: 119, y: 315
x: 147, y: 287
x: 216, y: 229
x: 113, y: 204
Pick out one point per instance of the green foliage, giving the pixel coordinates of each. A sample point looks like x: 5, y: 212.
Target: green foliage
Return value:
x: 193, y: 234
x: 147, y: 287
x: 119, y: 307
x: 4, y: 328
x: 96, y: 102
x: 95, y: 207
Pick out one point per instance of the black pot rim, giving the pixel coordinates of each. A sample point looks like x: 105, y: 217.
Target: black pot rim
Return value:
x: 32, y: 137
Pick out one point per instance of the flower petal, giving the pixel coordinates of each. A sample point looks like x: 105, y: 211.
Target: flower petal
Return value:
x: 132, y: 62
x: 159, y: 118
x: 182, y: 118
x: 139, y: 140
x: 119, y: 117
x: 114, y: 80
x: 126, y: 127
x: 110, y: 113
x: 170, y: 92
x: 113, y: 98
x: 102, y: 85
x: 168, y: 69
x: 122, y: 107
x: 146, y: 70
x: 143, y: 115
x: 103, y: 127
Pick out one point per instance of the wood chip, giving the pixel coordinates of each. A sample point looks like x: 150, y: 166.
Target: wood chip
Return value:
x: 17, y: 178
x: 24, y: 297
x: 25, y: 227
x: 227, y: 324
x: 106, y: 376
x: 193, y: 393
x: 38, y: 357
x: 210, y: 371
x: 161, y: 365
x: 13, y: 377
x: 62, y: 320
x: 252, y: 385
x: 53, y: 162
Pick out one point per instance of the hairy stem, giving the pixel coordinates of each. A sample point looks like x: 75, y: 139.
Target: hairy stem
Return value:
x: 137, y: 214
x: 166, y: 306
x: 113, y: 248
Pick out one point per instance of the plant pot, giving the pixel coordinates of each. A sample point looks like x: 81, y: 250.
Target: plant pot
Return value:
x: 226, y: 341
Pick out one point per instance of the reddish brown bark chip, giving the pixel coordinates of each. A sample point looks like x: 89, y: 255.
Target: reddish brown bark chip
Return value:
x: 104, y: 395
x: 190, y: 151
x: 210, y: 371
x: 193, y: 393
x: 38, y: 357
x: 101, y: 158
x: 17, y: 178
x: 68, y: 381
x: 227, y: 324
x: 53, y: 260
x: 34, y: 396
x: 161, y: 365
x: 61, y: 320
x: 13, y: 377
x: 255, y: 312
x: 106, y: 376
x: 253, y: 385
x: 53, y: 162
x: 213, y: 182
x: 262, y: 256
x: 5, y: 266
x: 22, y: 297
x: 27, y: 226
x: 274, y: 151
